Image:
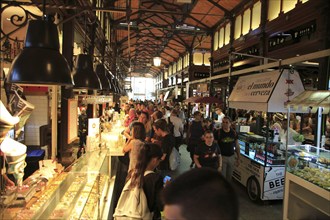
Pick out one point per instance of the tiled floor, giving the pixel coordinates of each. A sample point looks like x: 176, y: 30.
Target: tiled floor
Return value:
x: 270, y: 210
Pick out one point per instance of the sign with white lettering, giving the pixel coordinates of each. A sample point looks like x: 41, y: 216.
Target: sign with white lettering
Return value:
x: 91, y: 99
x: 267, y: 91
x: 274, y: 182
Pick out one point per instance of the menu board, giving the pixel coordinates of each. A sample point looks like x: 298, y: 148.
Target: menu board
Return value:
x: 72, y: 120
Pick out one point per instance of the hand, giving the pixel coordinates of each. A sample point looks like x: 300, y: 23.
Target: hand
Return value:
x: 9, y: 183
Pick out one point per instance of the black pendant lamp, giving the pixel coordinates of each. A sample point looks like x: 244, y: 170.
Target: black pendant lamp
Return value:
x: 116, y: 86
x: 112, y: 88
x: 40, y: 61
x: 100, y: 72
x: 84, y: 75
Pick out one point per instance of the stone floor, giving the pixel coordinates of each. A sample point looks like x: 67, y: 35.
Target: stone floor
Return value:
x: 270, y: 210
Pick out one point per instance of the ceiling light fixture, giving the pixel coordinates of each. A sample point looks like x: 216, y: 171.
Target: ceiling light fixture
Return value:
x: 157, y: 61
x: 100, y: 72
x: 84, y: 75
x: 40, y: 61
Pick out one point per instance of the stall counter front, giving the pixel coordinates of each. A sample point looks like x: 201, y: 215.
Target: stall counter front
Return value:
x: 307, y: 183
x: 261, y: 168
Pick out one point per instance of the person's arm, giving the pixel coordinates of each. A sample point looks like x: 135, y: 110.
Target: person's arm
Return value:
x: 128, y: 146
x: 196, y: 161
x: 220, y: 162
x: 8, y: 181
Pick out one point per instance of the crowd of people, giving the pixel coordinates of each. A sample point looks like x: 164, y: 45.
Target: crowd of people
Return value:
x: 153, y: 130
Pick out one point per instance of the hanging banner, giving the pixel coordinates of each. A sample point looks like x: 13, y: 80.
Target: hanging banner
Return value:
x: 91, y: 99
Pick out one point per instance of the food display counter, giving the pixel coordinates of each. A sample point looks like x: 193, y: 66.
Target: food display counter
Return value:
x: 79, y: 193
x: 261, y: 168
x: 307, y: 182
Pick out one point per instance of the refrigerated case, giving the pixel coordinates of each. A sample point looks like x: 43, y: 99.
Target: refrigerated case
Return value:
x: 82, y: 192
x: 307, y: 183
x: 261, y: 168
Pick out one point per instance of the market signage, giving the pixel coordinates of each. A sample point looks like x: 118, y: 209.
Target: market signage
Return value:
x: 98, y: 99
x: 255, y: 88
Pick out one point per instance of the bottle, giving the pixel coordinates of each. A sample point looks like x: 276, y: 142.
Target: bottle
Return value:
x: 322, y: 141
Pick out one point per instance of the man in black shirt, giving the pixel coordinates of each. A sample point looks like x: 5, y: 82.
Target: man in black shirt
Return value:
x: 208, y: 154
x: 167, y: 143
x: 228, y: 143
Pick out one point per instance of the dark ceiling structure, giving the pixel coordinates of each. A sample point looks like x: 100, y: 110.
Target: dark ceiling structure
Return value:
x: 143, y: 29
x: 166, y: 29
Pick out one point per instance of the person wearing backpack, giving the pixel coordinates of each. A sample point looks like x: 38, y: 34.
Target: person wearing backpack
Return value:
x: 140, y: 197
x: 167, y: 143
x: 175, y: 128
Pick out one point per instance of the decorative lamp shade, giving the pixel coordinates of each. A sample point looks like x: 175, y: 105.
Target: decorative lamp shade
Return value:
x: 157, y: 61
x: 84, y: 75
x: 100, y: 72
x: 40, y: 61
x: 13, y: 150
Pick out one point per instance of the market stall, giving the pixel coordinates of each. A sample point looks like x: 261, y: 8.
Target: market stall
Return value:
x: 262, y: 162
x: 83, y: 190
x: 307, y: 177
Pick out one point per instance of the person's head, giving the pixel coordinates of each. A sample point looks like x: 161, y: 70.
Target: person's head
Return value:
x: 200, y: 194
x: 144, y: 117
x: 153, y: 155
x: 160, y: 126
x: 218, y: 111
x: 209, y: 137
x: 159, y: 115
x: 197, y: 115
x: 149, y: 156
x: 132, y: 113
x: 83, y: 111
x: 177, y: 106
x: 142, y: 106
x: 174, y: 112
x: 226, y: 123
x: 284, y: 124
x: 138, y: 131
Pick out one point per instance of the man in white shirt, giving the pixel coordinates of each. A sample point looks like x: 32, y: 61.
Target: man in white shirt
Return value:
x: 178, y: 127
x: 220, y: 114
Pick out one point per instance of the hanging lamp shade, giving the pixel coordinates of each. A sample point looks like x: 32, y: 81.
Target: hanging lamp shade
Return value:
x: 40, y: 61
x: 108, y: 75
x: 100, y: 72
x: 117, y: 86
x: 84, y: 75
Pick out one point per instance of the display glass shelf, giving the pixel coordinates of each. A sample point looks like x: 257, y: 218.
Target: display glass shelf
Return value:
x: 78, y: 193
x: 265, y: 153
x: 310, y: 164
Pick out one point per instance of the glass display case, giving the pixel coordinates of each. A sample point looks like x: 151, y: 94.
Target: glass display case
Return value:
x: 256, y: 148
x: 261, y: 167
x: 79, y: 193
x: 307, y: 183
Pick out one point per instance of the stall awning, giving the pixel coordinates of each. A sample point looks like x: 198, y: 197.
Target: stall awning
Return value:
x: 310, y: 101
x: 267, y: 91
